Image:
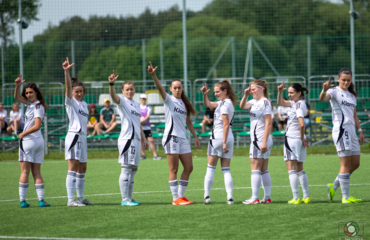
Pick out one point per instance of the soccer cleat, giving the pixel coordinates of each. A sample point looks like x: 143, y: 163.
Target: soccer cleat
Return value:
x: 86, y: 202
x: 351, y: 200
x: 331, y: 192
x: 157, y: 158
x: 129, y: 204
x: 143, y: 157
x: 42, y: 203
x: 306, y: 200
x: 230, y: 201
x: 24, y: 204
x: 251, y: 201
x: 298, y: 201
x: 75, y: 204
x: 266, y: 201
x: 186, y: 200
x: 132, y: 200
x: 180, y: 201
x: 207, y: 200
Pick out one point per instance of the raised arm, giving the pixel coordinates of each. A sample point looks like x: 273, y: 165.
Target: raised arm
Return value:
x: 280, y: 100
x: 157, y: 83
x: 67, y: 78
x: 17, y: 90
x: 244, y: 104
x: 206, y: 101
x: 112, y: 91
x: 323, y: 95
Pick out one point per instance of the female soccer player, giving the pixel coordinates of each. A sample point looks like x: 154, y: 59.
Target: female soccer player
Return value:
x: 76, y: 143
x: 177, y: 109
x: 345, y: 120
x: 261, y: 140
x: 221, y: 142
x: 130, y: 139
x: 295, y: 140
x: 31, y: 142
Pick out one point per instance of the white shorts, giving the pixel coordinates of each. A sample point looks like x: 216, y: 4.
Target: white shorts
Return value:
x: 31, y: 150
x: 129, y: 152
x: 346, y: 141
x: 255, y: 152
x: 294, y: 150
x: 76, y: 147
x: 175, y: 145
x: 215, y: 148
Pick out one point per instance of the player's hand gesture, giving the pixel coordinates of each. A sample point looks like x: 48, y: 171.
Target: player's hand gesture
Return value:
x: 151, y: 70
x: 66, y: 65
x: 362, y: 138
x: 145, y: 144
x: 248, y: 90
x: 305, y: 142
x: 18, y: 81
x: 263, y: 147
x: 204, y: 89
x: 281, y: 87
x: 112, y: 78
x: 327, y: 85
x: 224, y: 148
x: 197, y: 143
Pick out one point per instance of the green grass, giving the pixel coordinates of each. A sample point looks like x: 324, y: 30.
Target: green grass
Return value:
x: 157, y: 218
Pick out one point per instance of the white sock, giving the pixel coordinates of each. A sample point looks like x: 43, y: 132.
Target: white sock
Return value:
x: 336, y: 183
x: 174, y: 189
x: 304, y: 183
x: 182, y: 187
x: 40, y: 191
x: 124, y: 182
x: 266, y: 184
x: 344, y: 184
x: 23, y: 188
x: 208, y: 180
x: 256, y: 183
x: 228, y: 182
x: 293, y: 178
x: 71, y: 185
x: 131, y: 181
x: 80, y: 186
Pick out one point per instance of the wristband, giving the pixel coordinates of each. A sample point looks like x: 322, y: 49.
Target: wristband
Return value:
x: 323, y: 91
x: 359, y: 130
x: 111, y: 84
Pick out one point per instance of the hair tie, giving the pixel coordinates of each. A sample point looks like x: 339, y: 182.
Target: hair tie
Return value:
x: 254, y: 85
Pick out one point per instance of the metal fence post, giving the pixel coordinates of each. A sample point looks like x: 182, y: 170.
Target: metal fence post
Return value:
x: 73, y: 58
x: 144, y: 62
x: 233, y: 60
x: 161, y: 57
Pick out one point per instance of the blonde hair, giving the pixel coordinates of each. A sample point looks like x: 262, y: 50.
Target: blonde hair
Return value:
x: 263, y: 84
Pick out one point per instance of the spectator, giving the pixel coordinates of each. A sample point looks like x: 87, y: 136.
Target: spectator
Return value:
x: 144, y: 120
x: 3, y: 120
x: 93, y: 118
x: 16, y: 120
x: 274, y: 114
x: 107, y: 119
x: 208, y: 121
x: 283, y: 116
x: 307, y: 121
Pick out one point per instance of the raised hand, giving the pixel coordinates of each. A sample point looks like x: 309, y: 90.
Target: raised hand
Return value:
x: 66, y: 65
x: 248, y: 90
x: 18, y: 81
x: 112, y: 78
x: 327, y: 85
x: 204, y: 89
x: 281, y: 87
x: 151, y: 70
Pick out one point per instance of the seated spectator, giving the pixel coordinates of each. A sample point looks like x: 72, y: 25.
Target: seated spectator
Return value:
x: 107, y: 119
x: 274, y: 113
x: 145, y: 123
x: 3, y: 116
x: 307, y: 121
x: 208, y: 120
x: 93, y: 119
x: 16, y: 120
x: 283, y: 116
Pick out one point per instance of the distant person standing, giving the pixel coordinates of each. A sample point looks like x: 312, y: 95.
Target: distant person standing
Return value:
x: 283, y: 116
x: 16, y: 120
x: 3, y: 116
x: 107, y: 119
x: 208, y: 118
x: 146, y: 111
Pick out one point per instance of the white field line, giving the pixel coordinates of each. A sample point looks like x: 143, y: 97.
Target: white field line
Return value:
x: 61, y: 238
x: 167, y: 191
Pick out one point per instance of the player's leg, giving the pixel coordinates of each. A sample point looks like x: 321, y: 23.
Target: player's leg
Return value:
x: 256, y: 167
x: 302, y: 176
x: 173, y: 164
x: 23, y: 182
x: 228, y: 180
x: 187, y: 162
x: 266, y: 182
x: 209, y: 178
x: 39, y: 184
x: 134, y: 167
x: 293, y: 179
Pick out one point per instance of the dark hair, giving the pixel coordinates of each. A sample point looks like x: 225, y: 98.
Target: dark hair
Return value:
x: 263, y: 84
x: 185, y: 99
x: 38, y: 92
x: 298, y: 88
x: 77, y: 83
x: 230, y: 92
x: 285, y: 98
x: 127, y: 83
x: 95, y: 112
x: 351, y: 87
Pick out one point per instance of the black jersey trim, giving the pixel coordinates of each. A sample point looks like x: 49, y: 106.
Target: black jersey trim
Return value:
x: 75, y: 139
x: 127, y: 145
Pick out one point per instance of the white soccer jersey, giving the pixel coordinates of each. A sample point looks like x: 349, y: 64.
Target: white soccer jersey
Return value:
x: 343, y: 104
x: 225, y: 107
x: 4, y: 114
x: 257, y: 112
x: 129, y: 111
x: 283, y: 111
x: 78, y: 115
x: 34, y: 110
x: 298, y: 109
x: 16, y: 115
x: 175, y: 115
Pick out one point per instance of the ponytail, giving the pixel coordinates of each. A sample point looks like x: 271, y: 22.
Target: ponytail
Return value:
x: 185, y: 99
x: 298, y: 88
x: 263, y: 84
x: 225, y: 84
x: 351, y: 89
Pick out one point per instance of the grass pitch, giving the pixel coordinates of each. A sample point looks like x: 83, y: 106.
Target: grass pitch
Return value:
x: 156, y: 218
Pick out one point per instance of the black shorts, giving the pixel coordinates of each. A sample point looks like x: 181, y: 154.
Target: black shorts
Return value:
x: 283, y: 122
x: 147, y: 133
x: 5, y: 126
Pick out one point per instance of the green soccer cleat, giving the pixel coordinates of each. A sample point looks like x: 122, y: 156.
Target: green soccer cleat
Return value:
x: 331, y: 192
x: 128, y: 204
x: 133, y: 201
x: 24, y: 204
x: 351, y: 200
x: 42, y: 203
x: 306, y: 200
x: 298, y: 201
